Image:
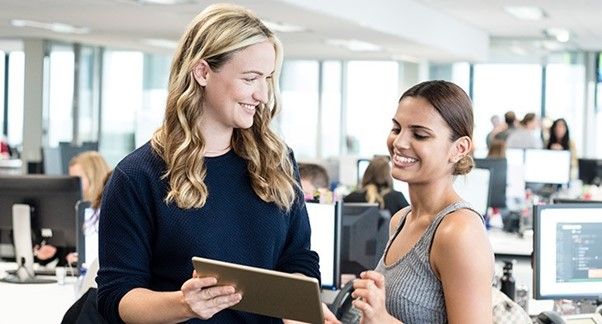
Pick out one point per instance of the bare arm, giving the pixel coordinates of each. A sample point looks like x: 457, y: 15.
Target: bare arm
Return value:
x: 198, y: 298
x: 462, y: 258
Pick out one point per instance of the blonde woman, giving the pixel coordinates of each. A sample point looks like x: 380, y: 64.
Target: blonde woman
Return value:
x: 214, y: 181
x: 92, y: 169
x: 377, y: 187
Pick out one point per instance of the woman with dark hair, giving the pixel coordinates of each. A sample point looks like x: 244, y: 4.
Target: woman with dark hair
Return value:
x: 560, y: 139
x: 438, y: 264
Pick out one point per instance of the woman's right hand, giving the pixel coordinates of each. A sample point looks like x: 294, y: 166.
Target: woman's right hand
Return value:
x: 205, y: 299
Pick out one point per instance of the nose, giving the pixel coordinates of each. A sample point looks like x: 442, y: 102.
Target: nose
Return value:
x: 261, y: 92
x: 402, y: 140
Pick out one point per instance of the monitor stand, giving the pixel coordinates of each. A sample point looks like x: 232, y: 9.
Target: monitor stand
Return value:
x: 23, y: 248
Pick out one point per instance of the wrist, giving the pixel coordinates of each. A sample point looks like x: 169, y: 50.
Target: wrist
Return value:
x: 187, y: 312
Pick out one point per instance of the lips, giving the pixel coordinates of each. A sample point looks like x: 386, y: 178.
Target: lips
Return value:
x: 402, y: 161
x: 248, y: 108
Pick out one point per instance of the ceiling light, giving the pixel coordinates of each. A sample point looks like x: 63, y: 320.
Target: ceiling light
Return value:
x: 158, y: 42
x: 164, y: 2
x: 525, y: 12
x: 55, y: 27
x: 354, y: 45
x: 405, y: 58
x: 560, y: 34
x: 283, y: 27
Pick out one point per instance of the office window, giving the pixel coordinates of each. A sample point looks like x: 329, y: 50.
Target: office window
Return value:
x: 461, y: 75
x: 154, y: 96
x: 89, y: 76
x: 331, y: 109
x: 121, y: 101
x: 498, y: 88
x: 16, y: 79
x: 298, y: 121
x: 59, y: 116
x: 372, y: 94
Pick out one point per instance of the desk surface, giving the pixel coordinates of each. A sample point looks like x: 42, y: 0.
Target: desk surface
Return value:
x: 34, y: 303
x: 510, y: 243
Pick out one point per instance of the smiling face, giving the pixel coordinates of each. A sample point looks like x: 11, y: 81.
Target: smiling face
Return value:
x: 234, y: 91
x: 420, y: 143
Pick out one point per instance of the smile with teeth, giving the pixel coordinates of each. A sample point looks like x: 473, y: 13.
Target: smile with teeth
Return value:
x: 403, y: 160
x: 248, y: 108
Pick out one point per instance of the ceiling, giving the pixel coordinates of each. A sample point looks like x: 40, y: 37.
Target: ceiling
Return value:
x: 413, y: 30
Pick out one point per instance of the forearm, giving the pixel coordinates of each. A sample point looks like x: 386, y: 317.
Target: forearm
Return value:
x: 142, y: 305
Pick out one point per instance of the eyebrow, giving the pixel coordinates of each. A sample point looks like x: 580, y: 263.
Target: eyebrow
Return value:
x: 256, y: 72
x: 413, y: 126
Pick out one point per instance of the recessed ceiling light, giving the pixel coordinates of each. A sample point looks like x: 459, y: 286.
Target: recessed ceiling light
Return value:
x: 560, y: 34
x: 526, y: 12
x: 283, y: 27
x: 158, y: 42
x: 55, y: 27
x: 354, y: 45
x: 164, y: 2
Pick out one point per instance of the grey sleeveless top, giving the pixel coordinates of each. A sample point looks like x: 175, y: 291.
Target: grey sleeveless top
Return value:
x: 413, y: 292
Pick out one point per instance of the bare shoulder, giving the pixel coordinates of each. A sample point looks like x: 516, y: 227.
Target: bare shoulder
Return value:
x: 461, y: 235
x: 395, y: 220
x: 462, y: 259
x: 460, y: 225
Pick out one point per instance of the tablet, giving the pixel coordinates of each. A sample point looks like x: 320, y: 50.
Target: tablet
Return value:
x: 267, y: 292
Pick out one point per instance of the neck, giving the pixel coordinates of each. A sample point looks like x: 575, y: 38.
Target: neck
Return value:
x: 427, y: 199
x: 217, y: 138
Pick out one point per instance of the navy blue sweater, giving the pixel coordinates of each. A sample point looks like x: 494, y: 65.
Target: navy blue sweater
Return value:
x: 147, y: 243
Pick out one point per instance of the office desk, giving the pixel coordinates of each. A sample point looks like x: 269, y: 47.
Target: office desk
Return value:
x: 34, y: 303
x: 504, y: 243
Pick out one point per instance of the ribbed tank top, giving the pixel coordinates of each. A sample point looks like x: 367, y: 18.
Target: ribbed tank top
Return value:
x: 413, y: 292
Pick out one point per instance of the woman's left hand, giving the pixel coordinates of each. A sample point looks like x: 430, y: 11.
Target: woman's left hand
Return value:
x: 369, y: 294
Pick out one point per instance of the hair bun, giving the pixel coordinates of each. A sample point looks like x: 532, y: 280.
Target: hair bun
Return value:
x: 464, y: 165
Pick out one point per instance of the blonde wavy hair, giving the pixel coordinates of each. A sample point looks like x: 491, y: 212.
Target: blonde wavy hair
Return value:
x: 95, y: 169
x: 377, y: 180
x: 215, y: 35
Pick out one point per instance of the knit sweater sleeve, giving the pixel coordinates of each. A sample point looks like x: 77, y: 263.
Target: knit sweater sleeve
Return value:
x: 297, y: 256
x: 124, y: 243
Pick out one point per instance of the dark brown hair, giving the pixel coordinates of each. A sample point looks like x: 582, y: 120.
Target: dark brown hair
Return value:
x: 454, y: 106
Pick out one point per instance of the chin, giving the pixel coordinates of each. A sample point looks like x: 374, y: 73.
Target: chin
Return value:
x: 245, y: 124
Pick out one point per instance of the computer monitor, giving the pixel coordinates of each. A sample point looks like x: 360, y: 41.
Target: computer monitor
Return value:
x: 362, y: 165
x: 38, y: 205
x: 474, y: 188
x: 547, y: 166
x: 325, y: 222
x: 590, y: 171
x: 69, y: 151
x: 567, y: 247
x: 498, y: 169
x: 363, y: 237
x: 515, y: 176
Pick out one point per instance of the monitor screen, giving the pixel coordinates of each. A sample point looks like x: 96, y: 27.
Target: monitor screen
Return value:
x: 52, y: 200
x: 547, y: 166
x: 363, y: 237
x: 498, y: 169
x: 590, y: 171
x: 362, y: 165
x: 568, y: 251
x: 515, y: 176
x: 474, y: 188
x: 325, y: 222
